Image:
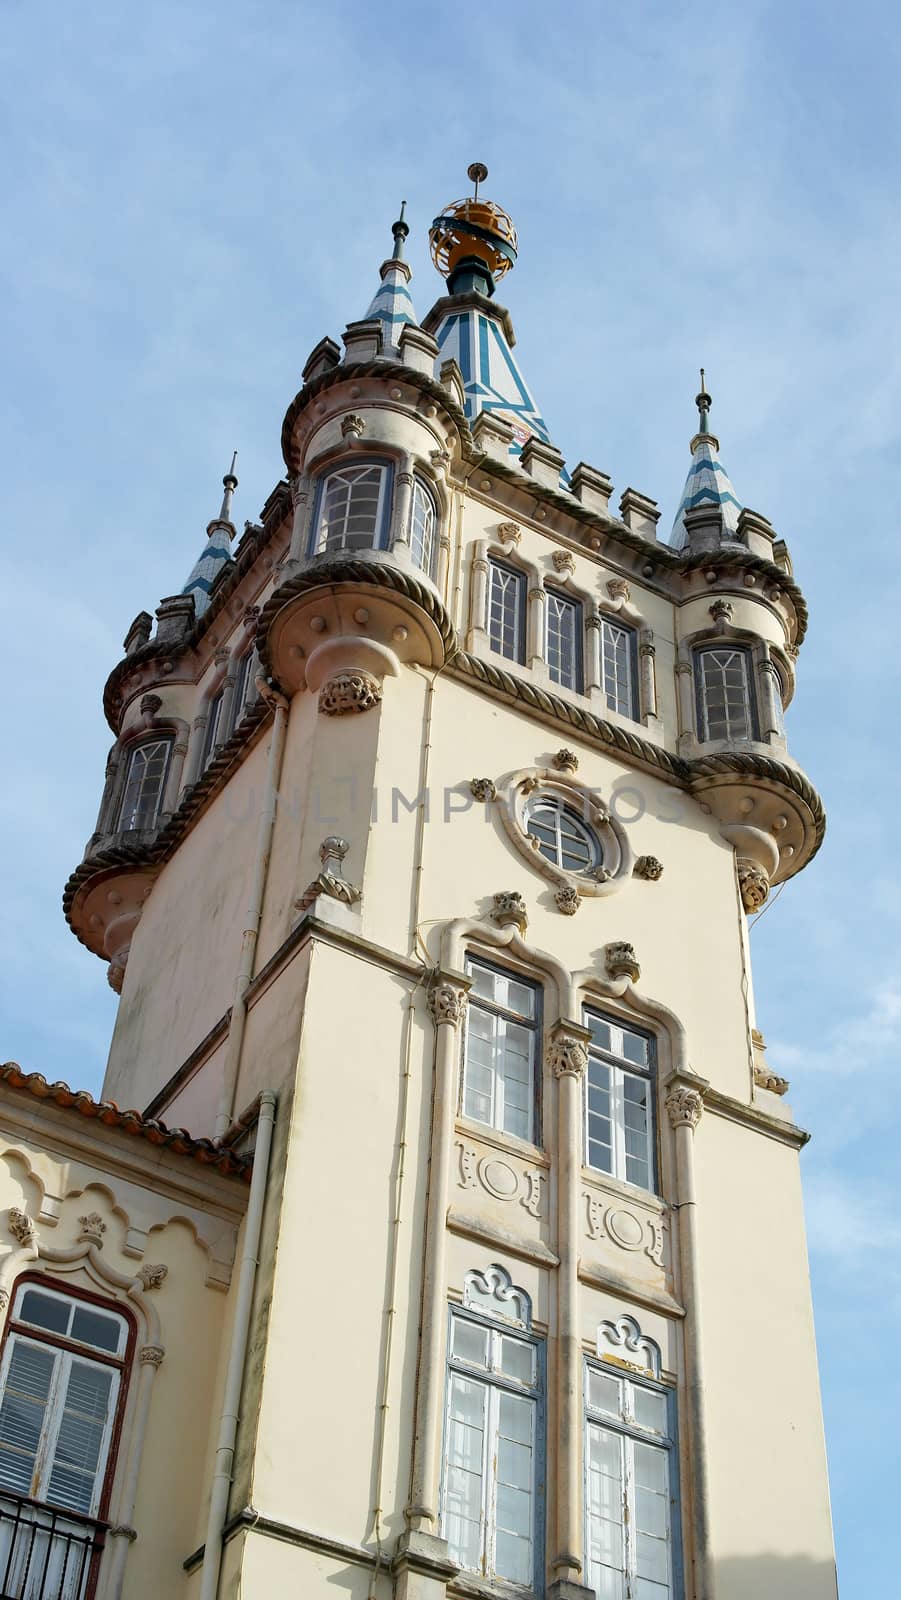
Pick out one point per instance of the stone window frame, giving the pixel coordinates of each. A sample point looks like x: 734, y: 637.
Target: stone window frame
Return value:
x: 532, y: 980
x: 770, y: 678
x: 343, y: 463
x: 152, y: 726
x: 619, y: 1067
x: 617, y: 857
x: 615, y: 604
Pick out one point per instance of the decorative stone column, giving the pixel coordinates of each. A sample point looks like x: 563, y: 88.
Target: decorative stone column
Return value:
x: 403, y: 497
x: 684, y: 1105
x: 647, y: 652
x: 567, y: 1060
x: 593, y: 675
x: 300, y: 499
x: 122, y: 1534
x: 685, y: 688
x: 536, y: 625
x: 478, y: 601
x: 447, y: 1004
x: 770, y: 700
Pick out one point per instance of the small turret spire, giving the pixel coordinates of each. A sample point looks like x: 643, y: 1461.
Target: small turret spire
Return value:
x: 392, y: 304
x: 229, y: 484
x: 708, y: 483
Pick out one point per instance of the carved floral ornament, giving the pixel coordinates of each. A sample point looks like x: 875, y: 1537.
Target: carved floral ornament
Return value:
x: 483, y: 789
x: 349, y: 691
x: 684, y: 1106
x: 20, y: 1226
x: 753, y: 884
x: 447, y: 1002
x: 510, y: 910
x: 567, y: 1052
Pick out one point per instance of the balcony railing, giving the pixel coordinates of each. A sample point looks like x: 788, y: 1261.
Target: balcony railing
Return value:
x: 47, y: 1554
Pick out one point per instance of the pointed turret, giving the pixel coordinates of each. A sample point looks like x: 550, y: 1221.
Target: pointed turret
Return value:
x: 392, y: 304
x: 473, y: 244
x: 217, y: 552
x: 708, y: 483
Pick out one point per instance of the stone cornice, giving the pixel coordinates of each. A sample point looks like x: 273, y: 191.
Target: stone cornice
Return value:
x: 353, y: 371
x: 611, y: 738
x: 381, y: 574
x: 757, y: 1121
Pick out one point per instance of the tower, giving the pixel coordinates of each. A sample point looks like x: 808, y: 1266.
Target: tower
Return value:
x: 466, y: 1203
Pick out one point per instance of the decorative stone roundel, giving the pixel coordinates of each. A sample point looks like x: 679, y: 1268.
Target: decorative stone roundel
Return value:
x: 499, y: 1179
x: 625, y: 1229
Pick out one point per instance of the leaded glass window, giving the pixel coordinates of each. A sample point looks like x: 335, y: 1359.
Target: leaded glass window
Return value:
x: 507, y: 611
x: 213, y: 733
x: 561, y: 836
x: 725, y: 697
x: 619, y: 1102
x: 145, y: 779
x: 492, y: 1475
x: 244, y: 687
x: 630, y: 1513
x: 618, y: 665
x: 500, y: 1050
x: 422, y: 526
x: 351, y: 508
x: 564, y: 640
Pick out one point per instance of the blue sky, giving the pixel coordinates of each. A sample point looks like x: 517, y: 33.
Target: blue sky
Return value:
x: 195, y: 194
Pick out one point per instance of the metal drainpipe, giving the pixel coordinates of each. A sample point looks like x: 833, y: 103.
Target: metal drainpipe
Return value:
x: 228, y: 1422
x: 235, y: 1038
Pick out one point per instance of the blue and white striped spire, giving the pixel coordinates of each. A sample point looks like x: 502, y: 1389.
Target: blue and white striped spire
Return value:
x: 708, y: 482
x: 392, y: 303
x: 217, y: 551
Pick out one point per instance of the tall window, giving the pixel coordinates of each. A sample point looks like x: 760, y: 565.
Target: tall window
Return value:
x: 214, y: 730
x: 619, y: 654
x: 507, y: 611
x: 422, y: 526
x: 725, y: 697
x: 60, y: 1383
x: 492, y: 1468
x: 631, y: 1468
x: 351, y: 508
x: 619, y: 1108
x: 148, y: 763
x: 564, y: 640
x: 500, y: 1051
x: 244, y: 687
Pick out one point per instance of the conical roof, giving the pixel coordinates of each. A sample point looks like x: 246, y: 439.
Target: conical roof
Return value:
x: 708, y: 482
x: 216, y: 553
x: 392, y: 303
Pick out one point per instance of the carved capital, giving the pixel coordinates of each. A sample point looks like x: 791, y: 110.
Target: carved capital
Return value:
x: 221, y: 656
x: 568, y: 900
x: 565, y: 761
x: 352, y: 427
x: 594, y: 620
x: 349, y: 691
x: 510, y: 910
x: 406, y: 479
x: 92, y: 1228
x: 153, y: 1276
x: 447, y: 1002
x: 122, y: 1530
x: 151, y: 1355
x: 298, y: 492
x: 483, y: 789
x: 538, y: 594
x: 564, y: 560
x: 621, y: 961
x: 509, y: 533
x: 150, y: 705
x: 721, y: 612
x: 567, y: 1051
x: 648, y: 867
x: 684, y: 1106
x: 753, y: 884
x: 618, y: 589
x: 20, y: 1225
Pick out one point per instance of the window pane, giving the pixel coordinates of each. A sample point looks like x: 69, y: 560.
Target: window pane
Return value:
x: 604, y: 1393
x: 506, y: 611
x: 605, y: 1512
x: 463, y: 1488
x: 422, y: 526
x: 618, y: 653
x: 725, y: 694
x: 44, y: 1311
x: 513, y: 1544
x: 469, y: 1342
x: 564, y: 629
x: 650, y: 1409
x: 562, y: 836
x: 77, y: 1460
x: 517, y: 1359
x: 144, y: 784
x: 350, y: 509
x: 28, y: 1380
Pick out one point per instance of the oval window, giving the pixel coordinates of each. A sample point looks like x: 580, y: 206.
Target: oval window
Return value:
x: 561, y: 836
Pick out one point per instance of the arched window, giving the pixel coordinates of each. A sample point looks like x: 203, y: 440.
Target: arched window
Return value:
x: 725, y: 696
x: 351, y: 507
x: 561, y: 836
x: 62, y: 1384
x: 422, y: 526
x: 619, y: 660
x: 564, y: 640
x: 145, y: 779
